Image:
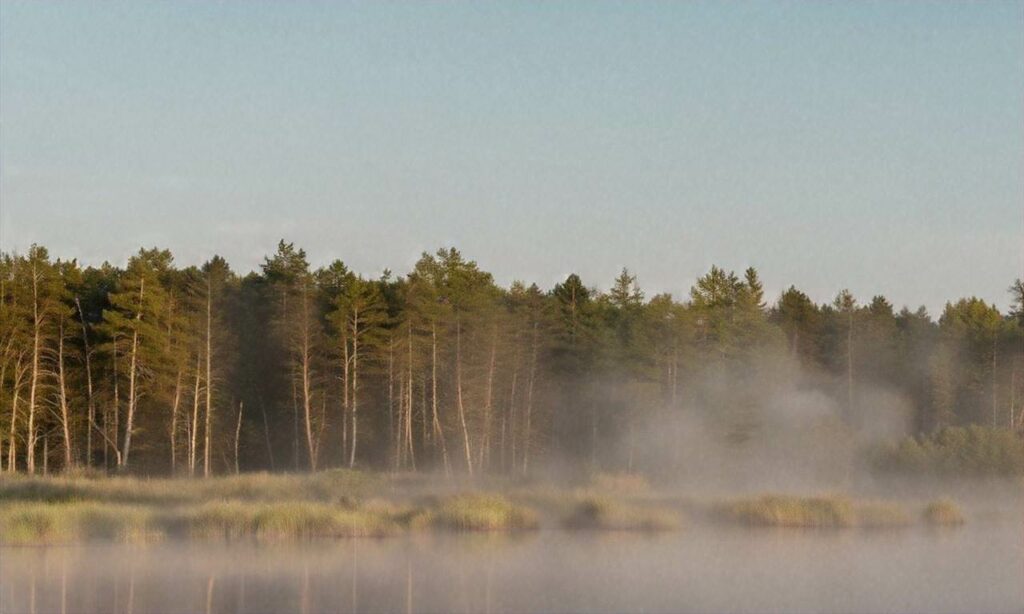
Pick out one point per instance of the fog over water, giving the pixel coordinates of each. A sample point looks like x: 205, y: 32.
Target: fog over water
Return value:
x: 976, y: 568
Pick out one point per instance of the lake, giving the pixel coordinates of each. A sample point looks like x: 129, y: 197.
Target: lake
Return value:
x: 976, y: 568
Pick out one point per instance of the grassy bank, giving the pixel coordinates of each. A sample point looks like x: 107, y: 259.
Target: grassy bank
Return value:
x: 830, y: 511
x: 330, y: 504
x: 339, y: 503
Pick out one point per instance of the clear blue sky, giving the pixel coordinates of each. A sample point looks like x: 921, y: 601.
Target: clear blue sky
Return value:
x: 875, y: 146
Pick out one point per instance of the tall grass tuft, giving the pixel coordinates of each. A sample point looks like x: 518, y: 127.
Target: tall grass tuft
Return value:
x: 787, y: 511
x: 598, y: 512
x: 52, y: 523
x: 880, y: 515
x: 477, y: 512
x: 943, y: 513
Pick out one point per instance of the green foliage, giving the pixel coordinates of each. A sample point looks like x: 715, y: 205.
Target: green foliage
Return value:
x: 956, y: 451
x: 443, y: 369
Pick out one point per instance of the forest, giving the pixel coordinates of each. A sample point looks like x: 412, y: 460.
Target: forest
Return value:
x: 154, y: 369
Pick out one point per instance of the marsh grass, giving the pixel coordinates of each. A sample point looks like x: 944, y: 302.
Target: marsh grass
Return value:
x: 476, y: 512
x: 339, y: 486
x: 604, y: 513
x: 943, y: 513
x: 881, y: 515
x: 48, y: 523
x: 788, y: 511
x: 827, y: 511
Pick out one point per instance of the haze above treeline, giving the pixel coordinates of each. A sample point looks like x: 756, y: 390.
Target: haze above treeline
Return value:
x: 156, y: 369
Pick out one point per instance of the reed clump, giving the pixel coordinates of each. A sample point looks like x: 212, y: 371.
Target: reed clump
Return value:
x: 603, y: 513
x: 70, y: 522
x: 881, y: 515
x: 339, y: 486
x: 233, y: 520
x: 943, y: 513
x: 476, y: 512
x: 789, y: 511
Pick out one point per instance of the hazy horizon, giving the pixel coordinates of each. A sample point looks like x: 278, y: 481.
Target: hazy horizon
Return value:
x: 871, y: 146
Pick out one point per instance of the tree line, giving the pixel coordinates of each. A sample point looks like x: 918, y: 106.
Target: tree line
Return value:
x: 151, y: 368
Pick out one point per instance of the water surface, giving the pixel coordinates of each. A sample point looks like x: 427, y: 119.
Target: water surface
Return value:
x: 701, y: 569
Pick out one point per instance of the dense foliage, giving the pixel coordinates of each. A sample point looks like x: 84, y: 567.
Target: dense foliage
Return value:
x: 957, y: 451
x: 152, y: 368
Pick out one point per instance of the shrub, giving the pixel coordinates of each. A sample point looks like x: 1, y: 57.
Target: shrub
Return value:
x: 957, y: 451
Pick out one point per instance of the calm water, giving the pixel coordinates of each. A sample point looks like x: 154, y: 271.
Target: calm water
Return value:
x: 973, y: 569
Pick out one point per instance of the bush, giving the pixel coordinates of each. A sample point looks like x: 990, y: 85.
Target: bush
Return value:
x: 957, y: 451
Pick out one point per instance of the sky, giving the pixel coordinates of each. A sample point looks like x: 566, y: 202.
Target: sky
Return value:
x: 872, y: 146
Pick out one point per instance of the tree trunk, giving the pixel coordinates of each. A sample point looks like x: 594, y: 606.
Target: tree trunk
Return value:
x: 209, y: 376
x: 529, y: 399
x: 458, y: 395
x: 90, y: 405
x: 394, y: 437
x: 438, y: 431
x: 65, y: 411
x: 37, y: 324
x: 132, y: 376
x: 174, y: 422
x: 485, y: 437
x: 306, y: 372
x: 849, y: 366
x: 238, y: 435
x: 995, y: 399
x: 12, y: 446
x: 355, y: 387
x: 193, y: 445
x: 513, y: 459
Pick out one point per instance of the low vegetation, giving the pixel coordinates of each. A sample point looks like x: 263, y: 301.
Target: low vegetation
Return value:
x: 943, y: 513
x: 477, y: 513
x: 597, y: 512
x: 881, y: 514
x: 336, y: 504
x: 341, y: 486
x: 830, y: 511
x: 957, y: 451
x: 787, y: 511
x: 47, y: 523
x: 329, y: 504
